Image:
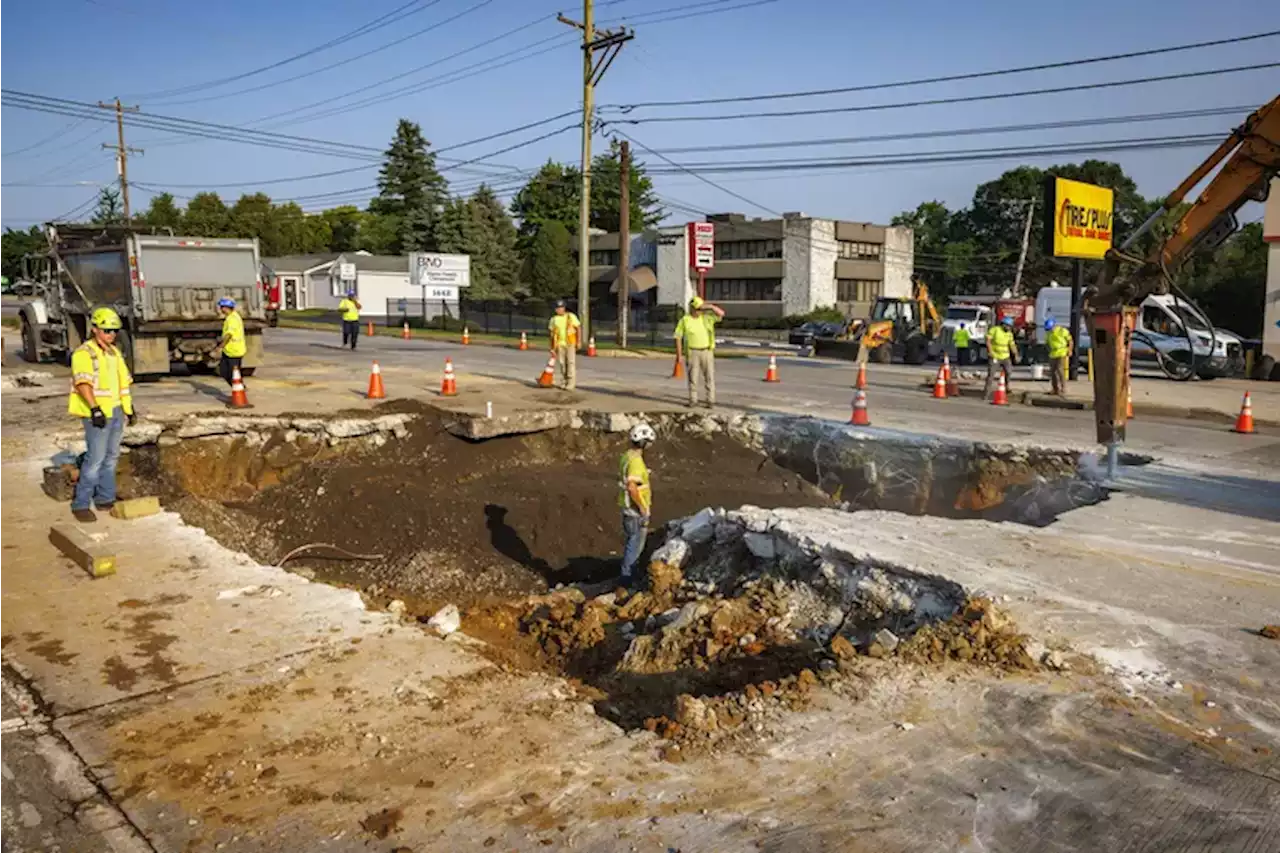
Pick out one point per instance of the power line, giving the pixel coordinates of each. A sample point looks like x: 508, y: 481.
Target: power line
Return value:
x: 975, y: 75
x: 57, y: 134
x: 960, y: 99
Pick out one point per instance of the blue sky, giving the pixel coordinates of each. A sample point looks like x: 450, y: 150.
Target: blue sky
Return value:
x: 90, y: 50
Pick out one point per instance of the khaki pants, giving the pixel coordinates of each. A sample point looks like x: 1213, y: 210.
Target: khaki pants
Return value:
x: 700, y: 365
x: 1058, y: 375
x: 994, y: 368
x: 566, y: 361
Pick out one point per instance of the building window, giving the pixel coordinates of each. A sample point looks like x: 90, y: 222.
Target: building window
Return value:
x: 748, y: 250
x: 858, y: 251
x: 745, y: 290
x: 857, y: 290
x: 603, y: 257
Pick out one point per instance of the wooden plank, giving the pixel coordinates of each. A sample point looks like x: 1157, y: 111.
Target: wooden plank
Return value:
x: 89, y: 554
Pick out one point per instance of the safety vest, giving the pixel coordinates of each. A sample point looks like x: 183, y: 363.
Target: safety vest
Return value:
x: 233, y: 327
x: 108, y: 374
x: 633, y: 467
x: 698, y: 332
x: 999, y: 340
x: 564, y: 329
x: 1059, y: 342
x: 349, y: 310
x: 961, y: 338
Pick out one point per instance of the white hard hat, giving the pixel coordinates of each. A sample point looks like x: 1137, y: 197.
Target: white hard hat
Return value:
x: 642, y: 433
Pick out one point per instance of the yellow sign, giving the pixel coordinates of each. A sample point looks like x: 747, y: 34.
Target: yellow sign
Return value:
x: 1080, y: 220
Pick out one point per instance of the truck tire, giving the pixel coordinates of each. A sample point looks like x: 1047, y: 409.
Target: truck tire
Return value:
x: 882, y: 354
x: 30, y: 342
x: 915, y: 351
x: 1264, y: 369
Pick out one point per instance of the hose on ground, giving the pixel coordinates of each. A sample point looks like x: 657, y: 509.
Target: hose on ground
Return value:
x: 342, y: 552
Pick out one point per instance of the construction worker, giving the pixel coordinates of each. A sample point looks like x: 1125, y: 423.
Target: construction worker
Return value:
x: 564, y: 333
x: 350, y: 308
x: 231, y: 347
x: 1058, y: 340
x: 696, y: 340
x: 1002, y: 350
x: 961, y: 340
x: 636, y: 498
x: 101, y: 398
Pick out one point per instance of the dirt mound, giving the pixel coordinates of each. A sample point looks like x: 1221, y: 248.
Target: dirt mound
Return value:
x: 462, y: 521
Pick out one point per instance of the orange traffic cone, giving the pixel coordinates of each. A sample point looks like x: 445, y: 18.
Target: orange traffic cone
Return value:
x: 946, y: 368
x: 1244, y: 422
x: 771, y: 372
x: 548, y: 377
x: 524, y: 341
x: 953, y: 383
x: 1128, y: 403
x: 861, y: 384
x: 591, y: 346
x: 376, y: 391
x: 448, y: 385
x: 404, y: 333
x: 940, y: 384
x: 240, y: 400
x: 1002, y: 393
x: 860, y: 416
x: 368, y: 330
x: 466, y: 336
x: 677, y: 372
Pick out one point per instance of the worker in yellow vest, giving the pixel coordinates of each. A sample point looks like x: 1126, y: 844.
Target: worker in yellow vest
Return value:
x: 350, y: 310
x: 1001, y: 351
x: 565, y: 333
x: 696, y: 339
x: 1058, y: 340
x: 232, y: 345
x: 635, y: 498
x: 101, y: 397
x: 961, y: 341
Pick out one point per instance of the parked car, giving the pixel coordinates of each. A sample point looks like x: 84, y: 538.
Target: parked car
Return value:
x: 804, y: 334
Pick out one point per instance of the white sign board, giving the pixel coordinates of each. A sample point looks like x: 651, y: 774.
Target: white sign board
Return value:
x: 347, y: 272
x: 702, y: 245
x: 428, y: 269
x: 447, y: 294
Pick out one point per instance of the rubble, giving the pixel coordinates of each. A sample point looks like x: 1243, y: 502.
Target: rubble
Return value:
x: 1271, y: 632
x: 445, y: 621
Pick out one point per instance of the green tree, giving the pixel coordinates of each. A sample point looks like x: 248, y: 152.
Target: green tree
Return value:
x: 1229, y: 284
x: 109, y: 210
x: 551, y: 195
x: 206, y: 216
x: 411, y: 189
x: 379, y: 233
x: 15, y: 244
x: 480, y: 227
x: 163, y: 214
x: 253, y: 215
x: 606, y: 193
x: 299, y: 233
x: 549, y: 266
x: 344, y: 227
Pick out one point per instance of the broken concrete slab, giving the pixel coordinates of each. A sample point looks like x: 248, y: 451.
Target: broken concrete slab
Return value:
x: 478, y: 428
x: 88, y: 551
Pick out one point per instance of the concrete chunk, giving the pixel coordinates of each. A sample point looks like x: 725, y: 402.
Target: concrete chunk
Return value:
x: 136, y: 508
x: 86, y: 552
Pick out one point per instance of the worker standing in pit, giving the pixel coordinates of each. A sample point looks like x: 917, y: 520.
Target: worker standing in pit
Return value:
x: 961, y: 340
x: 636, y: 499
x: 1001, y: 351
x: 232, y: 346
x: 102, y: 399
x: 564, y: 333
x: 350, y: 308
x: 696, y: 336
x: 1058, y: 340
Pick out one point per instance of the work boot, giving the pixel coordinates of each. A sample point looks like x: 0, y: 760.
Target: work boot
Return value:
x: 84, y: 516
x: 105, y: 507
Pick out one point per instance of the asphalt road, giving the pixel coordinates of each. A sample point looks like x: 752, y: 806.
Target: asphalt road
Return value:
x: 820, y: 388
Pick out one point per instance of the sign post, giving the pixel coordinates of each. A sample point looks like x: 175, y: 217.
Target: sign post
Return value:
x: 1079, y: 220
x: 701, y: 237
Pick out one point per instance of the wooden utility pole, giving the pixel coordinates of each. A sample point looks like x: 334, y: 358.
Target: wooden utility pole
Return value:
x: 624, y: 243
x: 122, y: 153
x: 607, y: 43
x: 1022, y: 256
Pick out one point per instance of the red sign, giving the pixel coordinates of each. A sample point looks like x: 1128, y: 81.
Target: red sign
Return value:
x: 701, y: 237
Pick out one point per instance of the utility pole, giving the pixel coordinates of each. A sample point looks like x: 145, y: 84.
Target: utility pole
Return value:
x: 607, y: 43
x: 624, y: 243
x: 1022, y: 256
x: 122, y: 153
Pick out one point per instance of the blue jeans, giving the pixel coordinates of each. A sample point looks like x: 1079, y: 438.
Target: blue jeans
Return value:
x: 97, y: 482
x: 634, y: 530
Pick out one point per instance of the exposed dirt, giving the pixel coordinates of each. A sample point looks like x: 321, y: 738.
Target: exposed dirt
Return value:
x: 455, y: 521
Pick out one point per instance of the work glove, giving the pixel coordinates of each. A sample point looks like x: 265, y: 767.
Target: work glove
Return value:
x: 133, y: 418
x: 97, y: 418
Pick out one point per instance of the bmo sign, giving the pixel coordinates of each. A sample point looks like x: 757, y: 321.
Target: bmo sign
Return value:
x: 433, y: 270
x: 701, y: 237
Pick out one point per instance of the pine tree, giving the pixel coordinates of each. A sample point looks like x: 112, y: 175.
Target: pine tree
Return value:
x: 551, y: 195
x: 549, y: 268
x: 606, y: 193
x: 500, y: 258
x: 108, y: 211
x: 411, y: 189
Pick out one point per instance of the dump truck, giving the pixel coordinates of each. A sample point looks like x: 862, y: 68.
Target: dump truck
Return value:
x: 165, y: 289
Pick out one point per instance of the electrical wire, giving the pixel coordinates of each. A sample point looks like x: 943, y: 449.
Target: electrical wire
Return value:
x: 958, y: 99
x: 58, y: 134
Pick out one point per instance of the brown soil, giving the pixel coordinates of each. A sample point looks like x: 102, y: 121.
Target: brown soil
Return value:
x: 457, y: 521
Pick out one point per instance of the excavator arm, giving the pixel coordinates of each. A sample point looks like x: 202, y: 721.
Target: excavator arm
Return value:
x: 1249, y: 157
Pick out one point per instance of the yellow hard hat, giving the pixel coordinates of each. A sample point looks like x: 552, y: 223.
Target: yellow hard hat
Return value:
x: 106, y: 319
x: 695, y: 303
